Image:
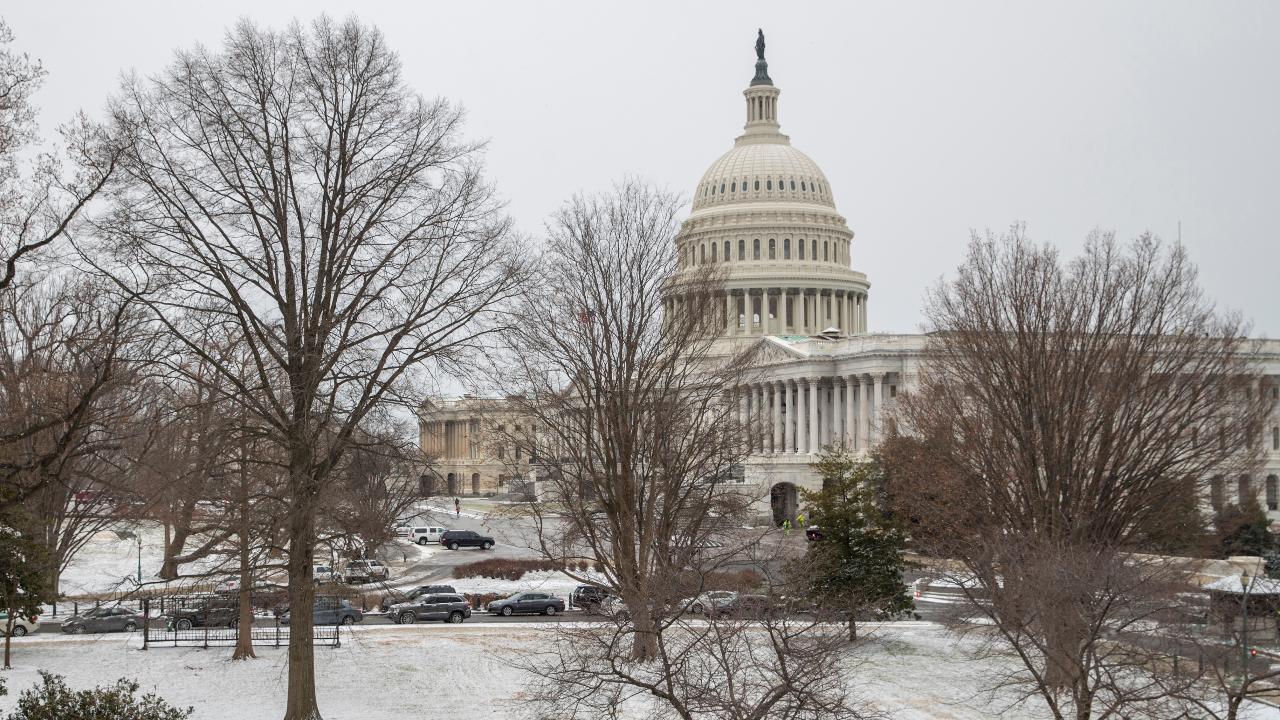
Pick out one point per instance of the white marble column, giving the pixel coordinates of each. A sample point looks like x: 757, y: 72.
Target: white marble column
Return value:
x: 788, y: 419
x: 850, y: 420
x: 762, y: 415
x: 784, y: 328
x: 815, y: 437
x: 837, y: 413
x: 878, y: 382
x: 730, y: 317
x: 864, y: 399
x: 744, y: 428
x: 777, y: 446
x: 802, y: 429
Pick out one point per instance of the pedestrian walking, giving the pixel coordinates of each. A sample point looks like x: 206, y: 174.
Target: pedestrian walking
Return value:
x: 800, y: 520
x: 457, y: 507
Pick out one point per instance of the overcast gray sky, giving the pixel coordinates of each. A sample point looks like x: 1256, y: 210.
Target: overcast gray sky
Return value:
x: 930, y: 119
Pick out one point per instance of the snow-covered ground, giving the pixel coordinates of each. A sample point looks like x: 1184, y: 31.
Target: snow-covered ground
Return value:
x: 913, y: 671
x: 109, y: 562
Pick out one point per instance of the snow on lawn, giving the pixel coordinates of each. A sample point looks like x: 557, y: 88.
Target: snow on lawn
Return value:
x: 108, y: 562
x: 910, y: 670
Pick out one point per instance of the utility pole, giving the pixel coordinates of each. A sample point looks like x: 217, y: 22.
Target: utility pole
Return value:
x: 139, y: 537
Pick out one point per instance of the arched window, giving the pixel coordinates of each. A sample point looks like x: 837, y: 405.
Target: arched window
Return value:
x: 713, y: 252
x: 721, y: 188
x: 727, y: 251
x: 713, y: 188
x: 814, y: 248
x: 742, y: 249
x: 1216, y: 493
x: 757, y: 184
x: 786, y: 248
x: 772, y: 249
x: 793, y: 184
x: 1244, y: 490
x: 1275, y: 438
x: 733, y: 187
x: 768, y: 184
x: 824, y: 251
x: 702, y: 253
x: 755, y: 249
x: 1273, y: 492
x: 803, y: 187
x: 475, y: 483
x: 800, y: 247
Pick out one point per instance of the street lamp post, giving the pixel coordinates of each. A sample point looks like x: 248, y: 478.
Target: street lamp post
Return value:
x: 1245, y: 583
x: 139, y: 537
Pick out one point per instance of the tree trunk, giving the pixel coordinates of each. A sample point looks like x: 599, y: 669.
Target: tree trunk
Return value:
x: 244, y: 630
x: 644, y: 643
x: 301, y: 536
x: 853, y: 629
x: 8, y: 636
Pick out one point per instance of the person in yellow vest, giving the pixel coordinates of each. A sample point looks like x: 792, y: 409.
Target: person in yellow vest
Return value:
x: 786, y: 527
x: 800, y: 521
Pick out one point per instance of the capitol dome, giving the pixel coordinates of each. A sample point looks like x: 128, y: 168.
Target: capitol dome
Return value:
x: 763, y: 169
x: 764, y: 214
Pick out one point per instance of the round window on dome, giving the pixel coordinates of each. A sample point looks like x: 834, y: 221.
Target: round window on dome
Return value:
x: 793, y: 185
x: 757, y: 184
x: 802, y: 187
x: 733, y: 187
x: 721, y: 188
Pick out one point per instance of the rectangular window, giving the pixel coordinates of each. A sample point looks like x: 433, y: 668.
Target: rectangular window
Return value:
x: 800, y: 246
x: 1275, y: 438
x: 773, y: 249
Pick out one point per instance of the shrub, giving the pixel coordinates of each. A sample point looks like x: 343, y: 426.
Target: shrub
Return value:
x: 502, y: 569
x: 479, y: 600
x: 53, y: 700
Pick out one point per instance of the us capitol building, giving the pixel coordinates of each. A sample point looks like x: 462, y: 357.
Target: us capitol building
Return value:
x: 766, y: 213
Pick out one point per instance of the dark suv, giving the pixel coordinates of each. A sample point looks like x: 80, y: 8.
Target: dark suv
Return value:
x: 449, y: 608
x: 221, y: 611
x: 455, y: 539
x: 589, y: 597
x: 395, y: 597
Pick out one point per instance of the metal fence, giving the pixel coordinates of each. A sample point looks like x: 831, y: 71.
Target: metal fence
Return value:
x: 274, y: 634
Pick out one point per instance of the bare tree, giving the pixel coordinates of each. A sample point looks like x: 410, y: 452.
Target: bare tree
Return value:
x: 624, y: 408
x: 39, y: 201
x: 1062, y: 411
x: 290, y: 190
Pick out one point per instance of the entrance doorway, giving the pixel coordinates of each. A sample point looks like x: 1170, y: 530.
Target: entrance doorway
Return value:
x: 784, y: 502
x: 451, y: 481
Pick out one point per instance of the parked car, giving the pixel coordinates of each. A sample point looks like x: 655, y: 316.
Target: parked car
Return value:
x: 449, y: 607
x: 813, y: 533
x: 710, y: 603
x: 330, y: 611
x: 103, y: 619
x: 589, y: 597
x: 750, y: 606
x: 397, y: 596
x: 425, y: 535
x: 454, y: 539
x: 222, y: 611
x: 21, y: 625
x: 324, y: 573
x: 363, y: 571
x: 526, y: 603
x: 401, y: 530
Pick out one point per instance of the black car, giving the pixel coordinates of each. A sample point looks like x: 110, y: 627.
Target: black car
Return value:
x: 527, y: 602
x: 395, y: 597
x: 214, y: 612
x: 329, y: 611
x: 589, y: 597
x: 449, y: 607
x: 455, y: 539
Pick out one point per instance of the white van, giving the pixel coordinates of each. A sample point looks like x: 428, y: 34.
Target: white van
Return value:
x: 426, y: 535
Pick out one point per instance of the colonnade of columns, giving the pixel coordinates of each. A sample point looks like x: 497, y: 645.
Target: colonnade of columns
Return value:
x: 801, y: 416
x: 449, y: 438
x: 783, y: 311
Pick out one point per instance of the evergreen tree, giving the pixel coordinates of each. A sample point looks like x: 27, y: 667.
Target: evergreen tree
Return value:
x: 857, y: 566
x: 1244, y: 530
x: 22, y: 578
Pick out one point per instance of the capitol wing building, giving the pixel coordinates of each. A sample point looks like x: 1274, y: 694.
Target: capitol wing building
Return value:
x: 765, y: 212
